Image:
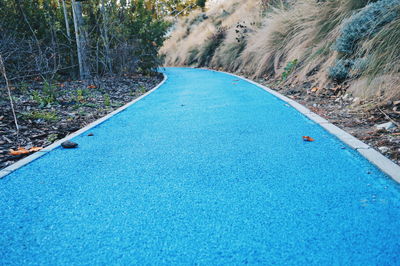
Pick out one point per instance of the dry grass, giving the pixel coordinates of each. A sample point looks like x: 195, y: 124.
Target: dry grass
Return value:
x: 189, y: 37
x: 190, y: 33
x: 282, y: 38
x: 381, y: 75
x: 240, y: 24
x: 302, y: 31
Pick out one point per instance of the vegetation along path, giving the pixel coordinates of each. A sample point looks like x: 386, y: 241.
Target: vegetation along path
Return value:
x: 207, y: 169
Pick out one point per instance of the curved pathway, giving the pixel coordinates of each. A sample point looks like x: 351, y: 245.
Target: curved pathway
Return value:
x: 207, y: 169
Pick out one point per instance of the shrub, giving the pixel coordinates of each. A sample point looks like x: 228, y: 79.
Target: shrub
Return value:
x: 383, y: 51
x: 289, y: 68
x: 201, y: 3
x: 364, y: 23
x: 341, y: 70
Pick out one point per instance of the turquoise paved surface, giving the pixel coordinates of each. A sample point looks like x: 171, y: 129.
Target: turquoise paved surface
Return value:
x: 208, y: 169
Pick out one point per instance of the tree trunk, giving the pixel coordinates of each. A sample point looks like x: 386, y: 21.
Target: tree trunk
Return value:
x: 105, y: 37
x: 66, y: 19
x: 72, y: 61
x: 81, y: 40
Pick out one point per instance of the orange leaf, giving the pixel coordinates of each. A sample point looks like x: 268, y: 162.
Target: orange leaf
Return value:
x: 34, y: 149
x: 19, y: 151
x: 307, y: 138
x: 92, y: 87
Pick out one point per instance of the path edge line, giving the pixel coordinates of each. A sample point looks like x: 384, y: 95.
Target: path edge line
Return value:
x: 376, y: 158
x: 15, y: 166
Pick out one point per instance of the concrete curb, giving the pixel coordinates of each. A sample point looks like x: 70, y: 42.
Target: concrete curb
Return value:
x: 8, y: 170
x: 384, y: 164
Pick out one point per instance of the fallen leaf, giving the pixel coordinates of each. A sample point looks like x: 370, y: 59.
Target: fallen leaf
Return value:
x: 34, y: 149
x: 19, y: 151
x: 91, y: 87
x: 315, y: 89
x: 307, y: 138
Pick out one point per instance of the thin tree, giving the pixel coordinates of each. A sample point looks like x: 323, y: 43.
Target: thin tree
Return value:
x: 3, y: 73
x: 81, y: 40
x: 105, y: 36
x: 64, y: 6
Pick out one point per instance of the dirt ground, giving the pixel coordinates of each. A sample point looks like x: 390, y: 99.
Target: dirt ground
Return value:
x: 47, y: 113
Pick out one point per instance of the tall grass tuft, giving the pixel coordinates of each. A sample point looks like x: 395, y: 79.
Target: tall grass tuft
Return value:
x: 331, y: 41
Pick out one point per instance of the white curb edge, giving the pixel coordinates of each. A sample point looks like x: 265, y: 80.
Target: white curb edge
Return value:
x: 384, y: 164
x: 8, y: 170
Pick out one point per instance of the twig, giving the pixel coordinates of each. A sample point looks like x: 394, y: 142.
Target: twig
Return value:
x: 188, y: 7
x: 3, y: 72
x: 388, y: 117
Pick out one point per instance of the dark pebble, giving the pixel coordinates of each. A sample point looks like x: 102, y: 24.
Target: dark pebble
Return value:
x: 69, y: 144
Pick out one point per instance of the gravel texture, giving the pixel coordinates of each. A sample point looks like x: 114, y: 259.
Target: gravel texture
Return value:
x: 207, y: 169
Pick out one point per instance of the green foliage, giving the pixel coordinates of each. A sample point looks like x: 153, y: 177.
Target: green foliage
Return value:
x: 41, y: 100
x: 173, y: 7
x: 81, y: 94
x: 37, y: 97
x: 142, y: 89
x: 201, y: 3
x: 50, y: 91
x: 90, y: 105
x: 289, y: 68
x: 47, y: 116
x: 23, y: 87
x: 33, y: 37
x: 148, y: 33
x: 107, y: 100
x: 46, y: 96
x: 52, y: 137
x: 341, y: 70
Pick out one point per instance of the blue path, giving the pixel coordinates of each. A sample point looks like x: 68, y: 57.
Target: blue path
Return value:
x: 205, y: 170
